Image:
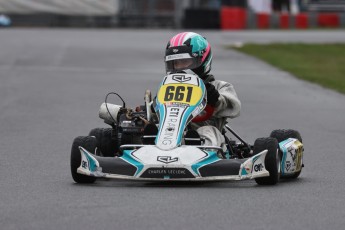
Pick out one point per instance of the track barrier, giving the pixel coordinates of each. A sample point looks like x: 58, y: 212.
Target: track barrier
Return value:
x: 328, y: 20
x: 301, y: 21
x: 263, y: 21
x: 240, y: 18
x: 233, y: 18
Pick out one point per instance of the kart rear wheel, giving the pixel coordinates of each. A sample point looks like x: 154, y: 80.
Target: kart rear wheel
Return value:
x: 90, y: 144
x: 272, y: 160
x: 106, y: 144
x: 283, y: 134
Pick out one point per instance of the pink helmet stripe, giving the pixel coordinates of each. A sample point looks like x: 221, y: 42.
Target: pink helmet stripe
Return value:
x: 208, y: 48
x: 177, y: 39
x: 171, y: 41
x: 180, y: 42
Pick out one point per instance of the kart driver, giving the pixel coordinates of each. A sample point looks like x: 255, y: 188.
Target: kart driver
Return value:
x: 192, y: 52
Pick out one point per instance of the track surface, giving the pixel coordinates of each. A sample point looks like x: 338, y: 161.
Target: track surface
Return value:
x: 52, y: 83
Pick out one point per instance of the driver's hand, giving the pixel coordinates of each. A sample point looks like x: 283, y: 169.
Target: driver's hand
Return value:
x: 212, y: 94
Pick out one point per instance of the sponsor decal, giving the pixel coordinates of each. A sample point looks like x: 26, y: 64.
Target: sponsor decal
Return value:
x: 288, y: 165
x: 177, y: 56
x: 258, y: 167
x: 171, y: 124
x: 196, y: 112
x: 293, y: 153
x: 299, y: 153
x: 247, y: 167
x: 174, y: 112
x: 293, y: 157
x: 176, y: 105
x: 166, y: 171
x: 84, y: 164
x: 181, y: 78
x: 166, y: 159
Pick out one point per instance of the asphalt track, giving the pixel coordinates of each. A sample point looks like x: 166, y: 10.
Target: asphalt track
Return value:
x: 52, y: 83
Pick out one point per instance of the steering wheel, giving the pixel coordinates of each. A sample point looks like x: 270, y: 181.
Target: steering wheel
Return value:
x: 204, y: 115
x: 148, y: 99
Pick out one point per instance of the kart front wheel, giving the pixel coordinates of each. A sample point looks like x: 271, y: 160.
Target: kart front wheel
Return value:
x: 88, y: 143
x: 106, y: 144
x: 283, y: 134
x: 272, y: 160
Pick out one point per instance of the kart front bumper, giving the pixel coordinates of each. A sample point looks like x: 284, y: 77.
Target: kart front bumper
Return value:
x: 207, y: 168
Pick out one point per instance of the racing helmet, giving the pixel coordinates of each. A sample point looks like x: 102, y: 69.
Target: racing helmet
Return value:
x: 188, y: 50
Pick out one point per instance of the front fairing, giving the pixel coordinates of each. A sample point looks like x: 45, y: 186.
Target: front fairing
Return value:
x: 180, y: 98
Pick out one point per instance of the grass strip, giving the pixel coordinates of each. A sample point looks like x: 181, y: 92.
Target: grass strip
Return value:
x: 323, y: 64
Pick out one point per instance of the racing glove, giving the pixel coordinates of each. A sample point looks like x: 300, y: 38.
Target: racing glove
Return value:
x: 212, y: 94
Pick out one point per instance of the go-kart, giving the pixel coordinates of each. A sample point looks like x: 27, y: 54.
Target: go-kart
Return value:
x: 154, y: 142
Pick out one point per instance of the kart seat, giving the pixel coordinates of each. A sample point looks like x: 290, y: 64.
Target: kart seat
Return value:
x: 192, y: 137
x: 150, y: 133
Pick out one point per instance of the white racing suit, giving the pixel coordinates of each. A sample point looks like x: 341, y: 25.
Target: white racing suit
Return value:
x: 228, y: 106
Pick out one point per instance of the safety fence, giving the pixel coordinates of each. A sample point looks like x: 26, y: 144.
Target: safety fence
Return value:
x: 61, y: 7
x: 148, y: 13
x: 59, y: 13
x: 94, y: 13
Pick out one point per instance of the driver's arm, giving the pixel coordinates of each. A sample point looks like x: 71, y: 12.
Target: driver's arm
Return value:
x: 228, y: 104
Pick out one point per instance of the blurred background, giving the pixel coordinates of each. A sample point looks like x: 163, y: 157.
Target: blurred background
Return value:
x: 205, y: 14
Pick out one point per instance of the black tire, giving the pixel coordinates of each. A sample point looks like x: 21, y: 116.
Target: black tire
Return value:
x: 106, y: 144
x: 90, y: 144
x: 283, y: 134
x: 272, y: 160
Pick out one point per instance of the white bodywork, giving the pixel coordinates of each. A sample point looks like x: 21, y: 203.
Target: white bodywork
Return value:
x: 182, y: 157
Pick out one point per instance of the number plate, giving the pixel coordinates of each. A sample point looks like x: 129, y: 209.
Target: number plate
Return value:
x: 180, y: 93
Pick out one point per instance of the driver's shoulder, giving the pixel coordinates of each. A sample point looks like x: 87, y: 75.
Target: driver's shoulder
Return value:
x: 221, y: 84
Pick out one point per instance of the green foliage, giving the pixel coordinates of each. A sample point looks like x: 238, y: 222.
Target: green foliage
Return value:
x: 323, y: 64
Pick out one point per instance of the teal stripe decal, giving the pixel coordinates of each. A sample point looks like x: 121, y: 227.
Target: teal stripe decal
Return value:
x: 244, y: 172
x: 212, y: 157
x: 128, y: 158
x: 284, y: 150
x: 161, y: 109
x: 255, y: 158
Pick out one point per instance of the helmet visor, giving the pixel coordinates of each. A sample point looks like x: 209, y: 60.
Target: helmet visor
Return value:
x: 179, y: 62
